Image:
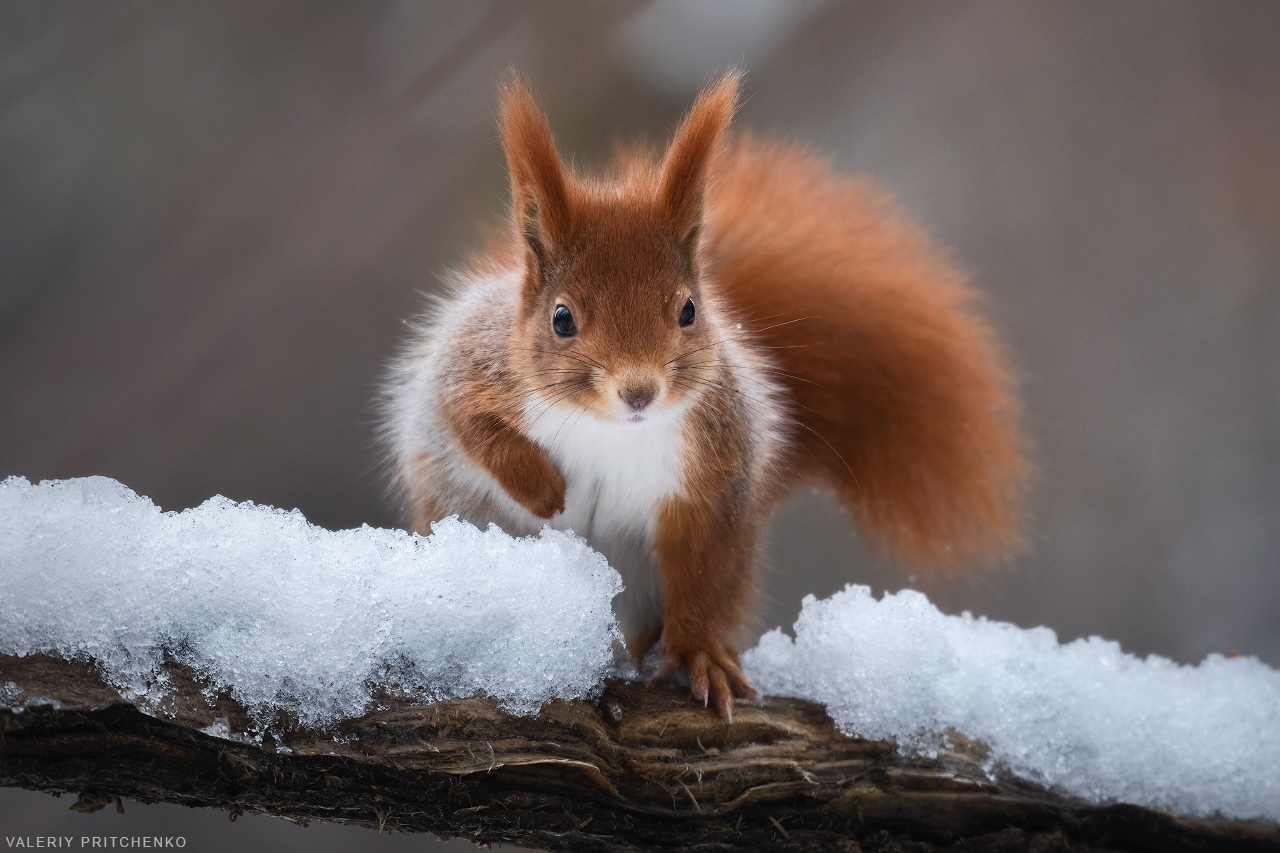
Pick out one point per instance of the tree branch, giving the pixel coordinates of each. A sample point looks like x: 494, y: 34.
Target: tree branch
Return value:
x: 641, y: 769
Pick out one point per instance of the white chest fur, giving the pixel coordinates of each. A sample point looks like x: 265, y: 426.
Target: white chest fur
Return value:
x: 617, y: 476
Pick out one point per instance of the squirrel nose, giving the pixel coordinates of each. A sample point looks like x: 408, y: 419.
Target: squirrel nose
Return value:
x: 638, y: 397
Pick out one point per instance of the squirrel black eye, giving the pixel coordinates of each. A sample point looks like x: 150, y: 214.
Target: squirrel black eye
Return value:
x: 562, y: 322
x: 686, y: 313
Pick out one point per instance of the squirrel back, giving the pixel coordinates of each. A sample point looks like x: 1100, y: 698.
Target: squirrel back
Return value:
x: 655, y: 356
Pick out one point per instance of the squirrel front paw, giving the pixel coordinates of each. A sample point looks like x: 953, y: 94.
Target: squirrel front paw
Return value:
x: 714, y: 675
x: 545, y: 496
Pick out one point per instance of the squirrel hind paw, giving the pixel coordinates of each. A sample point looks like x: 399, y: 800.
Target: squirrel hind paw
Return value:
x: 714, y: 679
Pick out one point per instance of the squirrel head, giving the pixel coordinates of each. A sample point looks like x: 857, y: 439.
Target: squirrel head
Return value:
x: 614, y: 317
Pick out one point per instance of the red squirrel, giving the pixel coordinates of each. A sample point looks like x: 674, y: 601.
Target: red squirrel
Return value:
x: 655, y: 356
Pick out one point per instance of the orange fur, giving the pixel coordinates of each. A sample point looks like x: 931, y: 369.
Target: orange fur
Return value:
x: 902, y: 397
x: 862, y: 365
x: 539, y: 196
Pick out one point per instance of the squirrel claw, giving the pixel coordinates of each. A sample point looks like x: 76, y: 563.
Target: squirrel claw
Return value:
x: 699, y: 679
x: 714, y: 680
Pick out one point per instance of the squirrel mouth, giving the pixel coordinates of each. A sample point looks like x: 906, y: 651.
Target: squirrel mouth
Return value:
x: 636, y: 418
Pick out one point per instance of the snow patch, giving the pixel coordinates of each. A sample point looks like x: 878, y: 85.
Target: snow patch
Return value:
x: 290, y: 616
x: 1082, y: 718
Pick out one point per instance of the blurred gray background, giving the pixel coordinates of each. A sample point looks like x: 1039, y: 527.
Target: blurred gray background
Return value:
x: 214, y: 218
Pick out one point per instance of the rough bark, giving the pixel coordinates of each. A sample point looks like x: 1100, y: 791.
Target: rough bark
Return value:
x: 641, y: 769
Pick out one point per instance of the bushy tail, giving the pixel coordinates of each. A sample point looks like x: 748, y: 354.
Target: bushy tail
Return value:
x: 902, y: 400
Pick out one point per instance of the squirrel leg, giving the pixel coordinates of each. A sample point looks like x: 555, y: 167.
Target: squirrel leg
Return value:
x: 424, y: 506
x: 704, y: 559
x: 519, y: 465
x: 639, y: 644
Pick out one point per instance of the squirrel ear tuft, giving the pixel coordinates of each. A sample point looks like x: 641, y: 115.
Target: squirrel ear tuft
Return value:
x: 539, y: 196
x: 684, y: 168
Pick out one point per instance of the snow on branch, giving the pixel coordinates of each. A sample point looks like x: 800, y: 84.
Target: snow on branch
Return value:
x: 247, y: 622
x: 637, y: 769
x: 1082, y: 718
x: 289, y: 616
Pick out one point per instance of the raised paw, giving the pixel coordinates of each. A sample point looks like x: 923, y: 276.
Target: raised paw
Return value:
x: 714, y: 677
x: 546, y: 497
